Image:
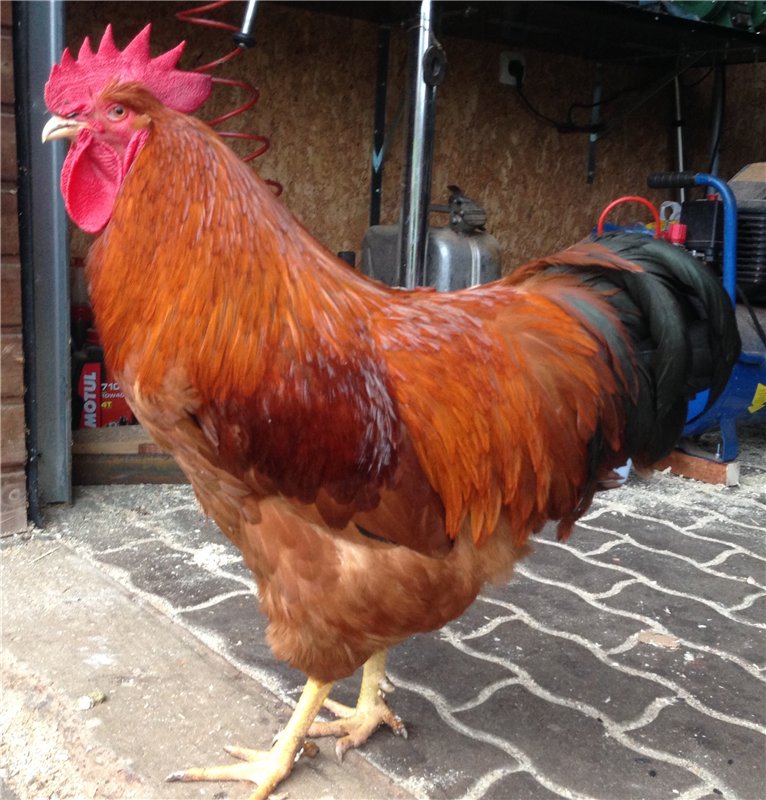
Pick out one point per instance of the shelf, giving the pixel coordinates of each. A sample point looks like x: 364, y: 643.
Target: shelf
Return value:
x: 123, y: 454
x: 609, y: 30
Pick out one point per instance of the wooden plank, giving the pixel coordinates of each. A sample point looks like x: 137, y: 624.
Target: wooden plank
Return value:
x: 8, y: 168
x: 9, y: 220
x: 92, y: 469
x: 13, y: 492
x: 6, y: 14
x: 10, y: 295
x: 124, y: 439
x: 6, y: 69
x: 701, y: 469
x: 13, y: 502
x: 123, y: 454
x: 752, y: 172
x: 11, y: 366
x: 12, y: 447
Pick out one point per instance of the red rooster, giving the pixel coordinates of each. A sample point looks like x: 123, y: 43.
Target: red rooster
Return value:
x: 377, y: 455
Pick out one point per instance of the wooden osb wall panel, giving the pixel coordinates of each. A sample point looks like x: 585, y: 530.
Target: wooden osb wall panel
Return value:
x: 13, y: 500
x: 316, y: 73
x: 316, y: 76
x: 744, y: 128
x: 530, y: 177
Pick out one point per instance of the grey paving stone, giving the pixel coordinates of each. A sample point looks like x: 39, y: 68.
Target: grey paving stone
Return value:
x: 450, y: 753
x: 519, y: 786
x: 687, y: 503
x: 677, y: 574
x: 752, y: 538
x: 167, y: 573
x: 705, y: 676
x: 584, y: 538
x: 729, y: 519
x: 562, y: 609
x: 659, y: 497
x: 569, y: 670
x: 478, y: 615
x: 741, y: 565
x: 457, y: 676
x: 732, y: 753
x: 436, y: 759
x: 741, y: 512
x: 755, y: 612
x: 99, y: 538
x: 559, y: 564
x: 179, y: 525
x: 239, y: 626
x: 132, y: 498
x: 662, y: 536
x: 573, y: 751
x: 692, y: 621
x: 187, y: 527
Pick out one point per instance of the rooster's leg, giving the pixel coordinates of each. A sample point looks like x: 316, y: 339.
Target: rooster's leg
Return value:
x: 354, y: 726
x: 267, y: 768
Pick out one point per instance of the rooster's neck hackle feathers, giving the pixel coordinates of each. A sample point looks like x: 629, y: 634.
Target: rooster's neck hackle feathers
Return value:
x: 202, y: 270
x: 213, y: 240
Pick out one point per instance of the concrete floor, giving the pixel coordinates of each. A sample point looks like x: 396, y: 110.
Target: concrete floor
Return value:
x: 626, y: 663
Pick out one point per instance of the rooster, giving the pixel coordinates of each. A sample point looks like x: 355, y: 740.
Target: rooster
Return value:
x: 377, y: 455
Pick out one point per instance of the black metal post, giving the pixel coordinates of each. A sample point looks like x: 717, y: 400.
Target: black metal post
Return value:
x: 678, y: 125
x: 379, y: 125
x: 38, y: 42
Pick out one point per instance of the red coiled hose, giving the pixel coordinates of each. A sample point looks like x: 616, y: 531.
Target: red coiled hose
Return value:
x: 194, y: 16
x: 632, y: 198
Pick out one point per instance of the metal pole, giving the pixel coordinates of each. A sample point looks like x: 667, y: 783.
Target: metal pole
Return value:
x: 38, y: 44
x: 244, y: 36
x: 679, y: 126
x: 595, y: 118
x: 420, y: 140
x: 379, y: 126
x: 718, y: 111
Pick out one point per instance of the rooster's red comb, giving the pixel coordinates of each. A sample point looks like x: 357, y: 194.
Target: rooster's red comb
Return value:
x: 77, y: 80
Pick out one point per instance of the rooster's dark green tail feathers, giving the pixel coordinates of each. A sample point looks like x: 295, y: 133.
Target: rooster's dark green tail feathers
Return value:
x: 681, y: 330
x: 706, y: 320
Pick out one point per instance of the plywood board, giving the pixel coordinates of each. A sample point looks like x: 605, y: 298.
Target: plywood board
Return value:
x: 13, y: 502
x: 10, y: 294
x: 12, y: 450
x: 9, y: 220
x: 12, y: 366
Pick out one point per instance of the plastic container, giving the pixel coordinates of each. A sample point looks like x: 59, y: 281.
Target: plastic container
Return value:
x: 97, y: 401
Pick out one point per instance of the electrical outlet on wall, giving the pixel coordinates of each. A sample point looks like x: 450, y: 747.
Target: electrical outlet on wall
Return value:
x: 512, y: 66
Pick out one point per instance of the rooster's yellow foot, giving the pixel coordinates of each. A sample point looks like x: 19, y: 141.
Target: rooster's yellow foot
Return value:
x: 268, y: 768
x: 354, y: 726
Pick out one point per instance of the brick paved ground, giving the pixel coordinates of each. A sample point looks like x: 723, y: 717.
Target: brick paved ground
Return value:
x: 626, y: 663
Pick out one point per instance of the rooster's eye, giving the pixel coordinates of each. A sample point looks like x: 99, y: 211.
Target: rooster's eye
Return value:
x: 116, y: 113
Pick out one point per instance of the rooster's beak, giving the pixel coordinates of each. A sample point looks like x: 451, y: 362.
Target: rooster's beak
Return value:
x: 60, y: 128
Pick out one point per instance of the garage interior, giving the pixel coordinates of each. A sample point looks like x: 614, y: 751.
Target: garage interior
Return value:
x: 608, y: 93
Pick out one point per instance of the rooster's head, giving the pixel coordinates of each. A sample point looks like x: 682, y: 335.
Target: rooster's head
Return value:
x: 90, y: 99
